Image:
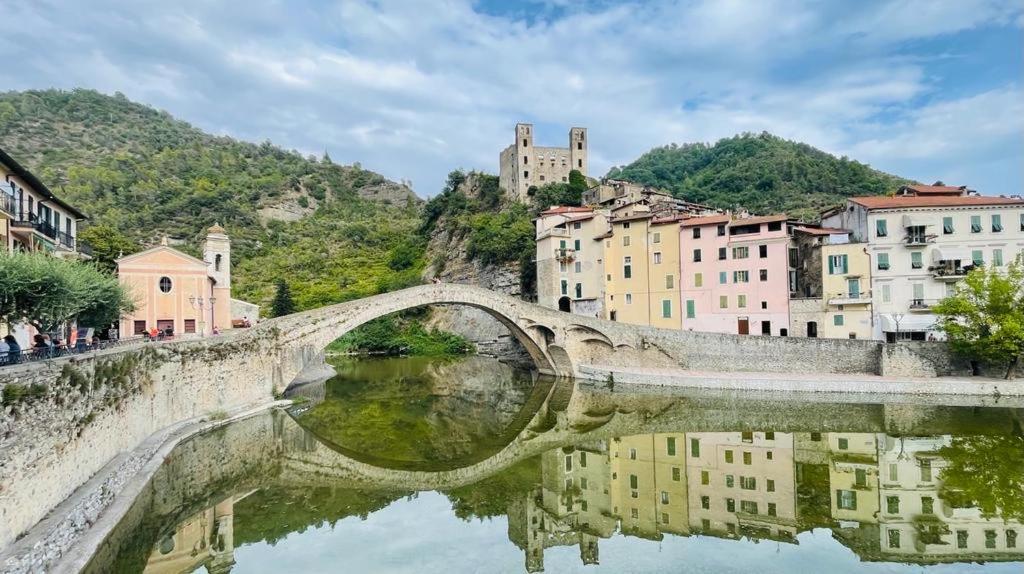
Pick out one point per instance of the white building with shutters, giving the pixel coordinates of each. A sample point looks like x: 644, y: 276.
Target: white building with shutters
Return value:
x: 921, y: 243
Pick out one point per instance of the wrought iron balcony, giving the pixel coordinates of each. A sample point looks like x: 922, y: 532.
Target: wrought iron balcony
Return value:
x: 31, y: 221
x: 922, y: 305
x: 857, y: 298
x: 8, y: 204
x: 565, y: 254
x: 918, y: 240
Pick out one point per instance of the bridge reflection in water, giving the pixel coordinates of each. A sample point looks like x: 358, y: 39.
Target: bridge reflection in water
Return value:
x: 583, y: 463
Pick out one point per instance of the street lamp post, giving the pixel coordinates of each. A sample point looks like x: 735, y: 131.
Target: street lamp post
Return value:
x: 200, y: 303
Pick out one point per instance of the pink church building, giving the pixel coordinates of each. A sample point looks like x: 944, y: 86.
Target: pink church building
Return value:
x: 735, y: 274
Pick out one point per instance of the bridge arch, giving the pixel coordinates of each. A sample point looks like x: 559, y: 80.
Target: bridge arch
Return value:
x: 314, y: 330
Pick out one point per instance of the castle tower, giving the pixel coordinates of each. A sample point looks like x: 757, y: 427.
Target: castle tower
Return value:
x: 524, y: 174
x: 578, y: 149
x: 217, y: 254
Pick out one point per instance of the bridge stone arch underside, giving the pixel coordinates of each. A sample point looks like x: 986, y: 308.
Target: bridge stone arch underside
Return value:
x: 544, y: 333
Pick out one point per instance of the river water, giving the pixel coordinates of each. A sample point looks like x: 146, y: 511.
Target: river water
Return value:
x: 413, y: 465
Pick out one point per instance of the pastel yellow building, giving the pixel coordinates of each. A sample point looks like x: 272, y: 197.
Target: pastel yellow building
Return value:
x: 648, y: 486
x: 642, y: 270
x: 853, y: 476
x: 832, y: 298
x: 176, y: 292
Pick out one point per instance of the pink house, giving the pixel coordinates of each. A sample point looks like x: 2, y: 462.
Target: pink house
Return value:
x: 735, y: 274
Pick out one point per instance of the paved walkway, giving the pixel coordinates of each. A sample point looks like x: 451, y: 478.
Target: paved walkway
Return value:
x: 825, y: 382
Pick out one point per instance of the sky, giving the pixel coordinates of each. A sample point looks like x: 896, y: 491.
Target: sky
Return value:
x: 926, y: 89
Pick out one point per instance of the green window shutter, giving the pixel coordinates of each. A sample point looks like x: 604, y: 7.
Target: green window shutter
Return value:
x: 947, y: 225
x: 723, y: 277
x: 837, y: 320
x: 691, y: 312
x: 831, y: 266
x: 845, y: 265
x: 997, y: 222
x: 561, y: 244
x: 666, y: 309
x: 977, y: 257
x: 577, y: 245
x: 883, y: 260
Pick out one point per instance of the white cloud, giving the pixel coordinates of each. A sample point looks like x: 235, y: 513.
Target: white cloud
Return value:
x: 413, y: 89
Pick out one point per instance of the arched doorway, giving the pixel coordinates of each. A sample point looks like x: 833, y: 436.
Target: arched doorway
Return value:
x: 564, y: 304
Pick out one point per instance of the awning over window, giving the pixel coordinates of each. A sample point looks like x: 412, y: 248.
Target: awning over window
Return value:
x: 951, y: 254
x: 908, y: 323
x: 911, y: 220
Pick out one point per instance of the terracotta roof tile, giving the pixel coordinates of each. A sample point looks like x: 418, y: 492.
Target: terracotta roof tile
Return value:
x: 761, y: 219
x: 563, y: 209
x: 880, y: 202
x: 936, y: 189
x: 634, y: 217
x: 705, y: 220
x: 820, y: 230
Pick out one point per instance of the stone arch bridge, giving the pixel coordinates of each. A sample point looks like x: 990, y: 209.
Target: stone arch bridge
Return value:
x: 561, y: 343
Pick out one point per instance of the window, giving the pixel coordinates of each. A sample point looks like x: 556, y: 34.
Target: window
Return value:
x: 769, y: 435
x: 629, y: 298
x: 578, y: 267
x: 190, y: 325
x: 816, y: 436
x: 656, y: 238
x: 747, y: 458
x: 721, y: 230
x: 691, y: 312
x: 977, y: 257
x: 741, y: 301
x: 748, y: 483
x: 748, y: 506
x: 627, y: 267
x: 696, y: 233
x: 698, y: 279
x: 728, y: 456
x: 695, y: 447
x: 844, y: 444
x: 1022, y: 222
x: 764, y: 304
x: 881, y: 228
x: 927, y: 505
x: 657, y: 257
x: 741, y: 276
x: 894, y: 472
x: 846, y: 499
x: 892, y: 504
x: 916, y: 261
x: 565, y: 287
x: 722, y: 253
x: 664, y: 497
x: 741, y: 252
x: 774, y: 226
x: 723, y: 277
x: 997, y: 223
x: 837, y: 264
x: 769, y: 485
x: 138, y: 327
x: 625, y: 241
x: 729, y: 481
x: 568, y: 465
x: 723, y: 301
x: 216, y: 262
x: 577, y: 225
x: 625, y: 225
x: 576, y: 245
x: 670, y: 281
x: 947, y: 225
x: 633, y: 482
x: 990, y: 539
x: 747, y: 436
x: 1011, y: 538
x: 696, y: 255
x: 997, y: 257
x: 893, y: 537
x: 961, y: 539
x: 730, y: 505
x: 886, y: 293
x: 771, y: 509
x: 165, y: 284
x: 583, y: 459
x: 664, y: 518
x: 763, y: 273
x: 634, y: 513
x: 666, y: 308
x: 975, y: 224
x: 676, y: 474
x: 705, y: 477
x: 860, y: 477
x: 883, y: 261
x: 579, y: 290
x: 837, y: 320
x: 705, y: 502
x: 762, y: 251
x: 926, y: 470
x: 579, y: 163
x: 526, y: 175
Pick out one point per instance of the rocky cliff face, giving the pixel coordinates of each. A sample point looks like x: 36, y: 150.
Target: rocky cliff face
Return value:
x: 450, y: 263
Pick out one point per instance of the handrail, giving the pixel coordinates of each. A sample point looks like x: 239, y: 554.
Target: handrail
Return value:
x: 36, y: 354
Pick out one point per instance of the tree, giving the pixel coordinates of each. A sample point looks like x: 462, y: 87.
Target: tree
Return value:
x: 282, y: 304
x: 48, y: 292
x: 986, y: 472
x: 107, y: 244
x: 984, y: 318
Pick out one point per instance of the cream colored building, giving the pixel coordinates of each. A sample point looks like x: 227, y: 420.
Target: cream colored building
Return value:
x: 648, y: 484
x: 921, y: 243
x: 177, y: 292
x: 523, y: 165
x: 853, y: 476
x: 832, y: 298
x: 642, y: 269
x: 570, y: 260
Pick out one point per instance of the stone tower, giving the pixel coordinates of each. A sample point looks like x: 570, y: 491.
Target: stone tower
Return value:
x: 578, y: 149
x: 524, y: 165
x: 217, y: 254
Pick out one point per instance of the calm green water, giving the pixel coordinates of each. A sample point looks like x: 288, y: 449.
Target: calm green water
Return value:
x: 408, y: 465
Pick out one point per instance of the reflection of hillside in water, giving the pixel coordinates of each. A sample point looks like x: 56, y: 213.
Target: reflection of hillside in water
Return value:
x: 593, y: 464
x: 420, y: 410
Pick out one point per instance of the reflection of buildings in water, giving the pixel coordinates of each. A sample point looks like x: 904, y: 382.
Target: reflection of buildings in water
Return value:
x: 852, y: 476
x: 649, y: 484
x: 742, y: 483
x: 206, y: 539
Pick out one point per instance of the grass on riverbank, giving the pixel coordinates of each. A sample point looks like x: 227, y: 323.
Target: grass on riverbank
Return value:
x: 402, y: 334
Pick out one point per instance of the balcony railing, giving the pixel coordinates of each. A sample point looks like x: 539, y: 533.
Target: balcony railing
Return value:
x: 858, y: 298
x: 8, y: 204
x: 917, y: 240
x: 31, y: 221
x: 922, y: 304
x: 950, y: 272
x: 66, y: 240
x: 565, y: 254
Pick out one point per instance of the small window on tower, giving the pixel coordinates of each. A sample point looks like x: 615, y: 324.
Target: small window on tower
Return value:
x: 579, y: 163
x: 579, y: 145
x: 216, y: 262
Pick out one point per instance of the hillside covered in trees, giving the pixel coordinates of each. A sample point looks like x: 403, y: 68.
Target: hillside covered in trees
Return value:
x: 334, y: 232
x: 759, y: 172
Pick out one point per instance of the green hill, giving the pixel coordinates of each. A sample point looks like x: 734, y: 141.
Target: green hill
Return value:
x: 329, y: 229
x: 762, y: 173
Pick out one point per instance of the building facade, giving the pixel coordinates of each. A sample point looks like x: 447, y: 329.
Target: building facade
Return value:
x: 735, y: 274
x: 570, y: 260
x: 523, y: 165
x: 832, y: 298
x: 919, y: 247
x: 177, y: 293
